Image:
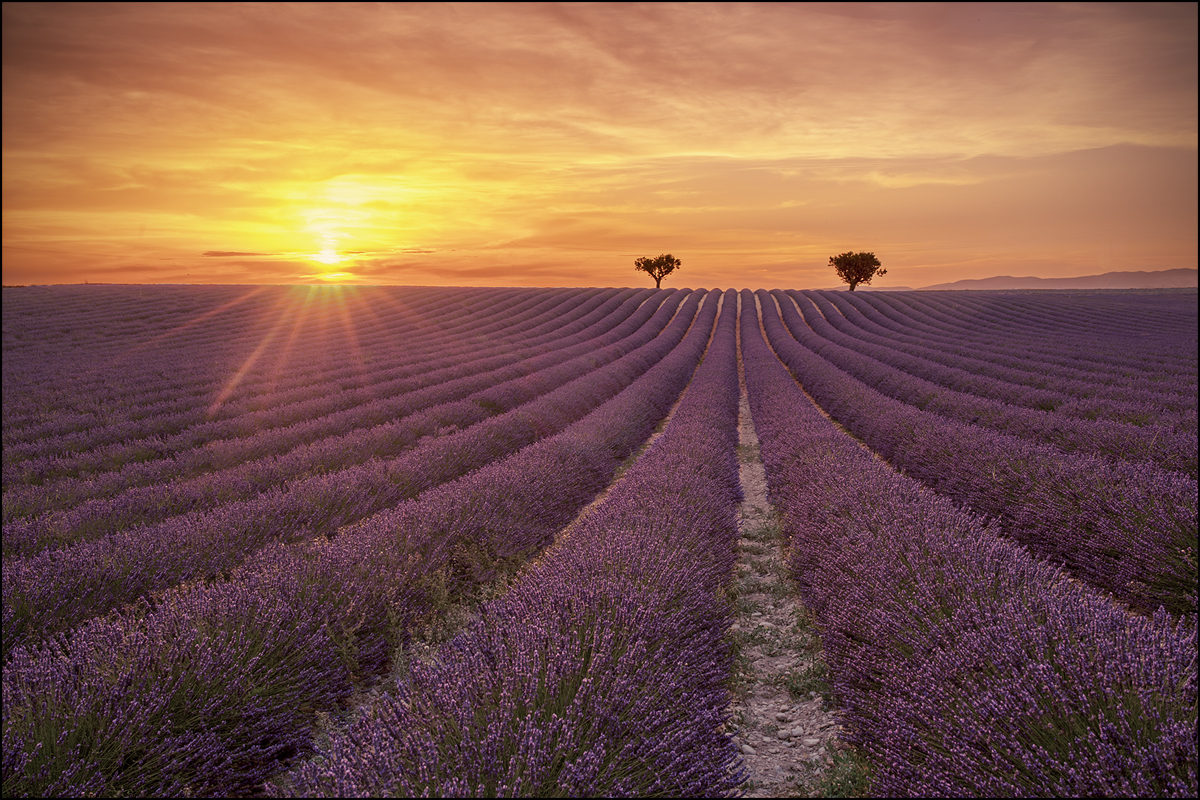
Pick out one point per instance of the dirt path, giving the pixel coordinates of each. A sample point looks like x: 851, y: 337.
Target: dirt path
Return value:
x: 780, y: 717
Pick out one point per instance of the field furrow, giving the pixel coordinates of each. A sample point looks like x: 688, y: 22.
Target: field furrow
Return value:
x: 307, y: 621
x: 956, y: 394
x: 52, y: 590
x: 601, y: 671
x: 382, y: 428
x: 1121, y: 527
x: 234, y: 516
x: 966, y: 666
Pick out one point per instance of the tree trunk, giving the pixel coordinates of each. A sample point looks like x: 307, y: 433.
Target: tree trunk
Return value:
x: 658, y: 283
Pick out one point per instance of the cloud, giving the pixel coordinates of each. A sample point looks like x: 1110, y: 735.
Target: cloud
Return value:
x: 622, y: 81
x: 546, y: 134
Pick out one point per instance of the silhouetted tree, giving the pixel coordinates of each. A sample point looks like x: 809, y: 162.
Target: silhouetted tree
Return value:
x: 658, y: 268
x: 856, y: 268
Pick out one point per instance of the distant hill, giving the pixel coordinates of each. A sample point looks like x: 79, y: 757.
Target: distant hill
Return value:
x: 1164, y: 279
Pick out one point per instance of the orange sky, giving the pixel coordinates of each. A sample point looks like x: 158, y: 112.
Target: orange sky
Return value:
x: 552, y: 145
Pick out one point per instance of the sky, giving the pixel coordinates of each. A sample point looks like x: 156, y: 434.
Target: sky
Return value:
x: 552, y: 145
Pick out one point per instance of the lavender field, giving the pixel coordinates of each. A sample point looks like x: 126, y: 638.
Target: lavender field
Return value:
x: 230, y: 511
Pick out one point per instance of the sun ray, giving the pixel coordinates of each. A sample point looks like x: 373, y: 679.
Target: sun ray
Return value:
x: 180, y: 328
x: 305, y: 302
x: 352, y: 337
x: 234, y: 381
x: 362, y: 301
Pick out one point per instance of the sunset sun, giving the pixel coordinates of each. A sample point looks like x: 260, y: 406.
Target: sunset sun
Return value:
x: 328, y: 256
x: 534, y: 145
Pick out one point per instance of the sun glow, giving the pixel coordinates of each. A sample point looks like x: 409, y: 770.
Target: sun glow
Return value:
x: 328, y: 256
x: 488, y: 169
x: 324, y: 315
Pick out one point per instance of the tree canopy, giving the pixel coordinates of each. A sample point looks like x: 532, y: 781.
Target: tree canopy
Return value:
x: 658, y: 268
x: 856, y: 268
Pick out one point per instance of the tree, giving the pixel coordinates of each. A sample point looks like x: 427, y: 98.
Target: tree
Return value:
x: 856, y: 268
x: 658, y: 268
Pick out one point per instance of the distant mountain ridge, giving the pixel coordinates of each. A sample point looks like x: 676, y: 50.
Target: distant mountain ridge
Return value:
x: 1163, y: 279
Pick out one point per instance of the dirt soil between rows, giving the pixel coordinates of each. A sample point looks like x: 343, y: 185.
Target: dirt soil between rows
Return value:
x: 780, y: 717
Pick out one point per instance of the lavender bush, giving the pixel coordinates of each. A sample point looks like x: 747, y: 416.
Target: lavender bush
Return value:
x: 424, y: 443
x: 1126, y: 528
x: 361, y: 591
x: 237, y: 469
x: 176, y: 427
x: 965, y: 665
x: 601, y: 671
x: 912, y: 380
x: 53, y: 590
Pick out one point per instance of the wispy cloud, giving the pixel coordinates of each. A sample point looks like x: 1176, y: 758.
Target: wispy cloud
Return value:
x: 450, y: 141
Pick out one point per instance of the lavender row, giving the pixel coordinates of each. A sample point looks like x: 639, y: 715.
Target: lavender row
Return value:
x: 438, y: 410
x: 601, y: 671
x: 222, y: 330
x: 347, y: 382
x: 53, y: 590
x: 1034, y: 315
x: 912, y: 381
x: 1085, y: 314
x: 314, y: 399
x: 1151, y: 411
x: 1088, y: 397
x: 302, y: 625
x: 965, y: 666
x: 246, y: 320
x: 221, y: 443
x: 1133, y: 342
x: 286, y: 404
x: 53, y: 319
x: 335, y: 385
x: 1060, y: 350
x: 237, y: 468
x: 971, y: 324
x: 1087, y: 387
x: 1022, y: 382
x: 174, y: 396
x: 1126, y: 528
